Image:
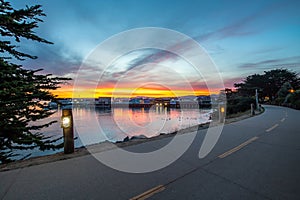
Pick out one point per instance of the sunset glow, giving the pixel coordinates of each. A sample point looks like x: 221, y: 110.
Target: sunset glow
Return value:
x: 241, y: 38
x: 67, y: 92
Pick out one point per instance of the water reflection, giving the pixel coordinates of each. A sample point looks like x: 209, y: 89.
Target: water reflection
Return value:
x: 149, y: 122
x: 94, y: 125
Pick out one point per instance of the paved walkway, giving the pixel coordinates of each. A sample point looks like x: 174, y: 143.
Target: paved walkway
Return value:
x: 256, y: 158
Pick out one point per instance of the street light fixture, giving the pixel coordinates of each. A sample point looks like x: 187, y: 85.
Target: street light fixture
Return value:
x: 222, y: 109
x: 66, y: 122
x: 222, y: 113
x: 67, y: 125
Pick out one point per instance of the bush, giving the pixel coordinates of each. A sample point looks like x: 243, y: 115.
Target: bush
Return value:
x: 279, y: 101
x: 294, y: 99
x: 239, y: 104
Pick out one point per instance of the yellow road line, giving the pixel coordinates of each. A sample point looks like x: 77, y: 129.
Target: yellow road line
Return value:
x: 149, y: 193
x: 270, y: 129
x: 227, y: 153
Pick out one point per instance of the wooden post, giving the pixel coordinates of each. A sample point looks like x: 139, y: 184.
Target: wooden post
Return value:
x: 67, y: 125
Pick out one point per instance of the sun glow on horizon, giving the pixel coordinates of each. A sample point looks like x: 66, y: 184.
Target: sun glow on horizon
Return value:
x: 68, y: 92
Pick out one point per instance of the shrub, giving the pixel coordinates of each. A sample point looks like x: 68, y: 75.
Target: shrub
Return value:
x: 294, y: 99
x: 239, y: 104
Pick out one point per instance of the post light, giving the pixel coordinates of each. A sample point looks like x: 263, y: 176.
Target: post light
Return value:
x: 222, y: 113
x: 292, y: 90
x: 67, y: 125
x: 222, y: 109
x: 66, y: 122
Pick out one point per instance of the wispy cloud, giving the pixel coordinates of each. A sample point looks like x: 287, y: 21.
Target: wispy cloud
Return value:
x: 267, y: 50
x: 289, y: 62
x: 137, y: 63
x: 244, y: 26
x: 54, y: 59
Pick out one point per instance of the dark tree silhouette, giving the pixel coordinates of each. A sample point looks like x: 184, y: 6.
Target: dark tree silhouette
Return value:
x: 22, y: 90
x: 268, y: 83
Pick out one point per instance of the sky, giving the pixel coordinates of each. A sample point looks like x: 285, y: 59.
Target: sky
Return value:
x: 240, y: 37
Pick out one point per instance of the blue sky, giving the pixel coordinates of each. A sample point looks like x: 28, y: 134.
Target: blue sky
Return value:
x: 242, y: 37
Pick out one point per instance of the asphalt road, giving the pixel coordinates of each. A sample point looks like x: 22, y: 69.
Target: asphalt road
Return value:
x: 256, y: 158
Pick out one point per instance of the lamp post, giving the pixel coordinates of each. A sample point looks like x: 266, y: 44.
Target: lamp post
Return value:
x: 222, y: 112
x: 67, y: 125
x: 252, y: 109
x: 256, y: 99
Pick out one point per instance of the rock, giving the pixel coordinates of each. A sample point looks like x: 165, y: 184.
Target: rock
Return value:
x: 138, y: 137
x: 126, y: 139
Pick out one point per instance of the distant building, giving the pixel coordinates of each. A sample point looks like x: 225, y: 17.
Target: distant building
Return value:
x: 64, y: 102
x: 204, y: 101
x: 162, y: 102
x: 52, y: 105
x: 103, y: 102
x: 140, y: 102
x: 189, y: 98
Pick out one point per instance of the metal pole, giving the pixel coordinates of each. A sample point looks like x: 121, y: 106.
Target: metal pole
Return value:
x: 252, y: 109
x: 67, y: 125
x: 256, y: 98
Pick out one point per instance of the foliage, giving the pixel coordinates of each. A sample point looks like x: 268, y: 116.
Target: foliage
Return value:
x: 284, y: 90
x: 17, y: 24
x: 236, y: 104
x: 22, y: 90
x: 293, y: 100
x: 268, y: 84
x: 248, y: 86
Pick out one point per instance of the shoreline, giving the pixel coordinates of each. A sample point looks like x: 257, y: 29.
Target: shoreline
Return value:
x: 106, y: 146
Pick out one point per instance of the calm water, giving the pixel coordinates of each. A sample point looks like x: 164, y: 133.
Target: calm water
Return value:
x: 94, y: 125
